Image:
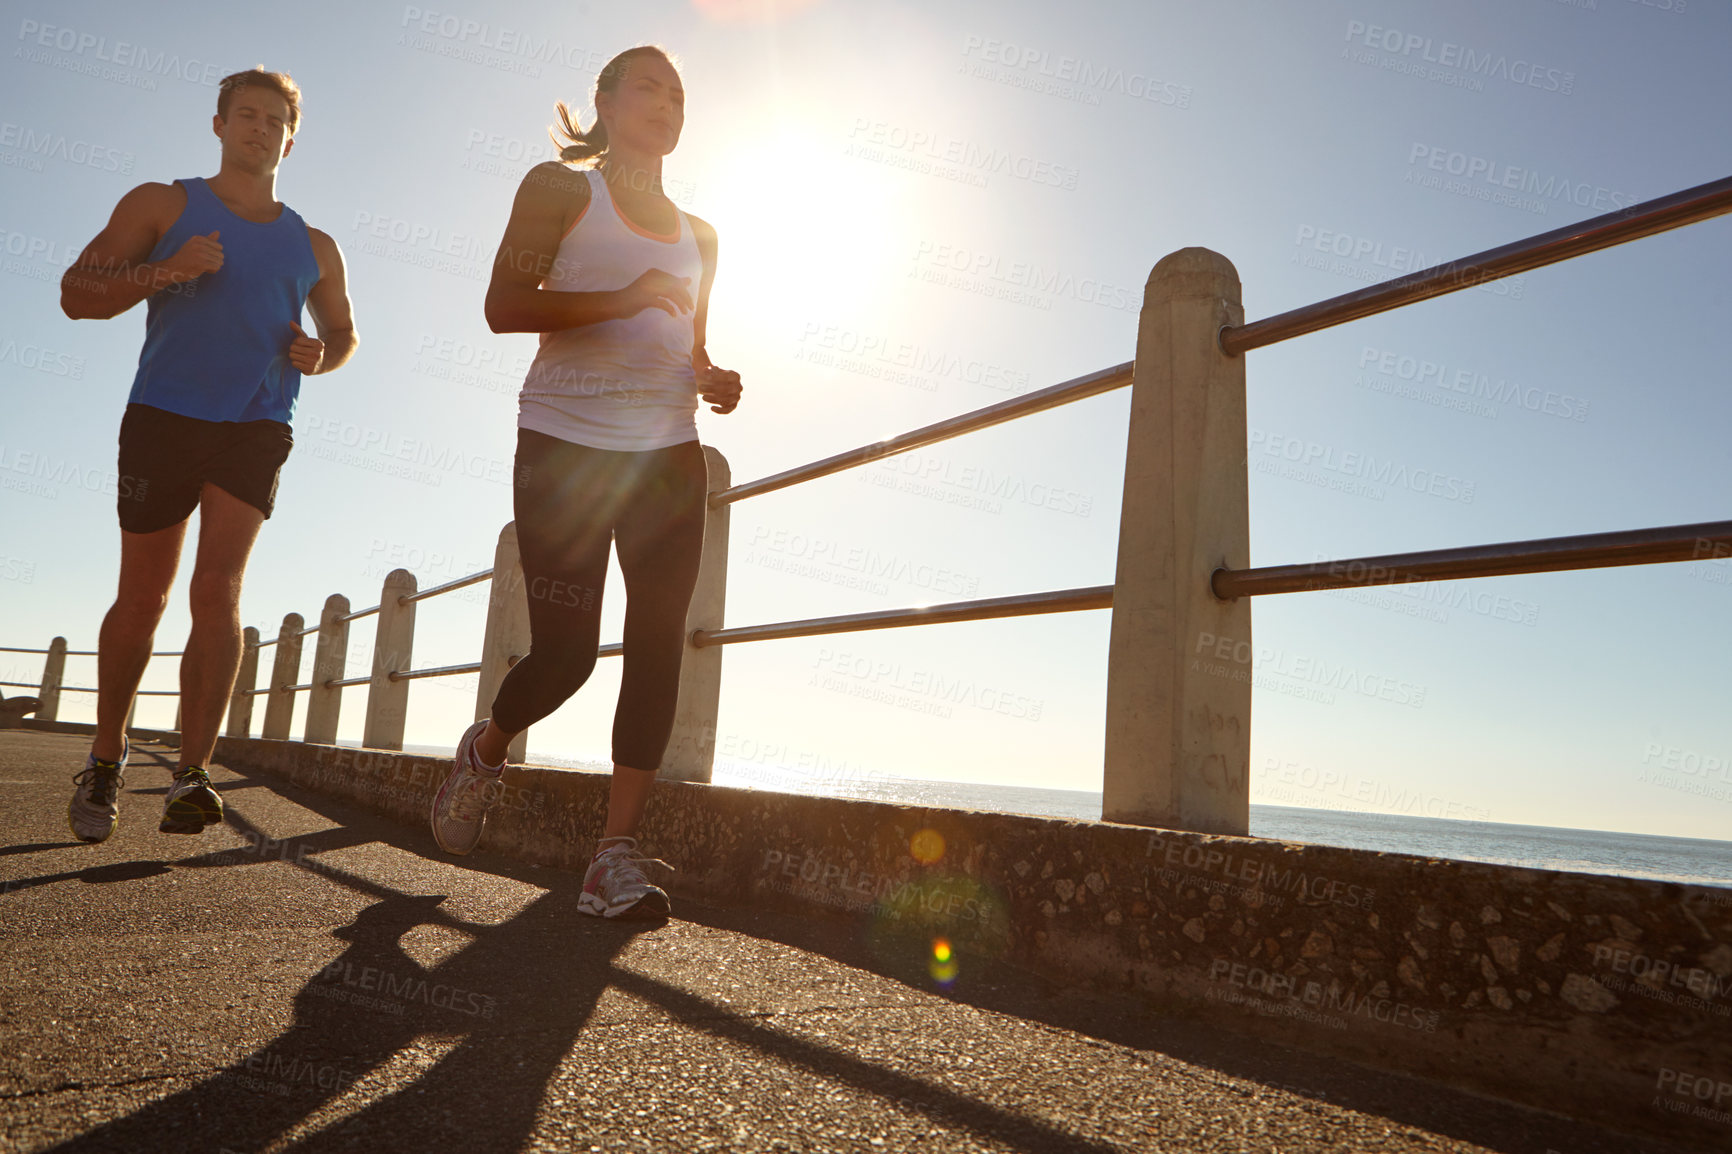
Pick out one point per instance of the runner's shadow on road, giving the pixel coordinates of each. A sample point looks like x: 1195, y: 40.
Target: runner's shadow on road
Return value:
x: 126, y: 871
x: 38, y: 847
x: 515, y: 999
x: 385, y: 1053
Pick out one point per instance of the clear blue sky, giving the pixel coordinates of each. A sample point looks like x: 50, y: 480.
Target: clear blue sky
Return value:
x: 841, y: 150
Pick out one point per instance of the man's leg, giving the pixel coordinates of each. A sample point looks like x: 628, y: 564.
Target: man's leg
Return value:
x: 228, y: 526
x: 147, y: 566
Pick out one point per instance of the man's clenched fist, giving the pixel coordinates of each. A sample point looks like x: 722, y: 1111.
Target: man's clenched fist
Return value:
x: 305, y: 353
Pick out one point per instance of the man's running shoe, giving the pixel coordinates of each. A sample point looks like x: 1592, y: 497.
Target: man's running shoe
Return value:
x: 95, y: 805
x: 616, y: 887
x: 192, y: 803
x: 460, y: 807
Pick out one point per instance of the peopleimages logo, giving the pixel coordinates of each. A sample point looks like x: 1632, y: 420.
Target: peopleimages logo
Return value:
x: 1310, y: 671
x: 92, y: 48
x: 1324, y: 999
x: 1473, y: 385
x: 1307, y: 887
x: 1362, y: 467
x: 409, y: 988
x: 477, y: 35
x: 58, y: 146
x: 1088, y: 78
x: 1501, y: 177
x: 1415, y: 50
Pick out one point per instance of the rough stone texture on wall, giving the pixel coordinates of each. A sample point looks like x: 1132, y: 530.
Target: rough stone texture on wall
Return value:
x: 1596, y: 997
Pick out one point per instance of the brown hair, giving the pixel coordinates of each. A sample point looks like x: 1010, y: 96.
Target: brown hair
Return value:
x: 593, y: 144
x: 278, y: 82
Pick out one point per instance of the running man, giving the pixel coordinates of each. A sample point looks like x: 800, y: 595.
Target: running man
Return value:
x: 601, y: 263
x: 226, y: 268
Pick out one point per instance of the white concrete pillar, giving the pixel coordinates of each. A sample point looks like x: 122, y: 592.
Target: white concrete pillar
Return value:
x: 330, y: 658
x: 53, y: 677
x: 280, y: 704
x: 1178, y: 732
x: 691, y: 750
x: 246, y: 680
x: 393, y: 644
x: 507, y: 637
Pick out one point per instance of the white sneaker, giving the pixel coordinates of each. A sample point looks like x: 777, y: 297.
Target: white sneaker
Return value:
x: 615, y: 885
x: 95, y: 805
x: 460, y: 807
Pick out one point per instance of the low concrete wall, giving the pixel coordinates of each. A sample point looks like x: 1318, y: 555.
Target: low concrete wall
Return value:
x: 1595, y: 997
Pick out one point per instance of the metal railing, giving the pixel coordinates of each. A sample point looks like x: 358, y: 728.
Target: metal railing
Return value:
x: 1178, y: 740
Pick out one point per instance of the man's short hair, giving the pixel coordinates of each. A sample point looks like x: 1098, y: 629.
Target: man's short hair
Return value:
x: 278, y: 82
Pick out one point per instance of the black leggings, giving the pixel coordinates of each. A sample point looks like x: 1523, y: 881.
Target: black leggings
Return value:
x: 571, y: 503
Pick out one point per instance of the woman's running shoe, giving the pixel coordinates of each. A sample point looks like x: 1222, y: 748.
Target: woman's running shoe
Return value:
x: 95, y: 805
x: 460, y: 807
x: 192, y: 804
x: 615, y: 886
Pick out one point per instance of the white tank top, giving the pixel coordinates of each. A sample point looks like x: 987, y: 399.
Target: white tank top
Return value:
x: 624, y: 384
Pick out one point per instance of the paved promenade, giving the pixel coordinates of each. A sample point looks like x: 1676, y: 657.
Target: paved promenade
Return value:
x: 309, y: 977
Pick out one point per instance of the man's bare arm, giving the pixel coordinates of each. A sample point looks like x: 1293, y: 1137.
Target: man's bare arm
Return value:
x: 113, y: 273
x: 333, y: 316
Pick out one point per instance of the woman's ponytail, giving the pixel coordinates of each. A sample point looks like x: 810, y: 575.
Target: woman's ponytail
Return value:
x: 579, y: 145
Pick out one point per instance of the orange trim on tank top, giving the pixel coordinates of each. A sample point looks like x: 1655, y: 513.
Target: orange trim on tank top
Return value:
x: 665, y: 238
x: 671, y: 238
x: 580, y: 215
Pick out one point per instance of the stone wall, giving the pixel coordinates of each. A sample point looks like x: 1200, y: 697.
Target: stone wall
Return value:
x: 1595, y: 997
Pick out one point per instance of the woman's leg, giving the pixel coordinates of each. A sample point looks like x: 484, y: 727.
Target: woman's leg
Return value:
x: 660, y: 536
x: 566, y: 501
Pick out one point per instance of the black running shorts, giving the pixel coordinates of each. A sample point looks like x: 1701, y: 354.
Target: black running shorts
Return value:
x: 165, y: 460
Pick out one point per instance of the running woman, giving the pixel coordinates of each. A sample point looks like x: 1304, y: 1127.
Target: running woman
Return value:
x: 601, y: 263
x: 226, y: 268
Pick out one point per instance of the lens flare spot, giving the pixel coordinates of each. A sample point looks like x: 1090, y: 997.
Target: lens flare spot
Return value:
x: 927, y: 846
x: 943, y: 964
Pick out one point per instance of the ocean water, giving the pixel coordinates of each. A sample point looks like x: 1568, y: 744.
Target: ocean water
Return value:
x: 1693, y: 861
x: 1676, y: 859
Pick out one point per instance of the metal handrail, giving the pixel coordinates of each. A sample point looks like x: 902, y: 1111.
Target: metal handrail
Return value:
x: 1613, y: 228
x: 441, y: 671
x: 1088, y: 385
x: 1017, y: 605
x: 92, y: 689
x: 89, y: 652
x: 457, y: 583
x: 1544, y: 555
x: 1632, y: 547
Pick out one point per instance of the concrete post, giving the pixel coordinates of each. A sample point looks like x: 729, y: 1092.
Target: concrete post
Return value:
x: 691, y: 750
x: 280, y: 704
x: 507, y: 636
x: 1178, y: 733
x: 53, y: 677
x: 330, y: 659
x: 387, y: 700
x: 247, y: 680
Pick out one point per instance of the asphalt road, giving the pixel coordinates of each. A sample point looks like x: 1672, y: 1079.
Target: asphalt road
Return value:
x: 310, y: 977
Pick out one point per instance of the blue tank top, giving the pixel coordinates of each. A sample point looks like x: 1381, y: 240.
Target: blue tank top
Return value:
x: 219, y: 352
